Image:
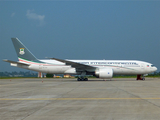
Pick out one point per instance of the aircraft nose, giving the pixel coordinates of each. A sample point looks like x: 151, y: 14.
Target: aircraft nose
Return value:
x: 156, y: 69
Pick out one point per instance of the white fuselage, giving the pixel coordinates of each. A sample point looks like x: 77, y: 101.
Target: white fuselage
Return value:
x: 104, y: 69
x: 124, y: 67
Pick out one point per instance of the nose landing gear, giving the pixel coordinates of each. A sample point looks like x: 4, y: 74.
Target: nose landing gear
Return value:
x: 139, y: 77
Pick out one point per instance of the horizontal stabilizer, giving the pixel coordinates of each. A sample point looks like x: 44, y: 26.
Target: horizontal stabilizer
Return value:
x: 14, y: 62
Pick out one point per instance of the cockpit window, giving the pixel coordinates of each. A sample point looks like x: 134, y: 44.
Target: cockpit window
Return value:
x: 152, y: 65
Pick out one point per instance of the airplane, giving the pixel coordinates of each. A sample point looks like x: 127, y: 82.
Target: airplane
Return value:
x: 104, y: 69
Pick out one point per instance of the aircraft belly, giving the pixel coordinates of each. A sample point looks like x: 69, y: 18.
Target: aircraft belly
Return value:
x: 49, y: 69
x: 127, y: 71
x: 56, y: 69
x: 70, y: 71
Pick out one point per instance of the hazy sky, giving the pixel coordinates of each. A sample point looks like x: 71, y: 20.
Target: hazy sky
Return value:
x: 118, y: 30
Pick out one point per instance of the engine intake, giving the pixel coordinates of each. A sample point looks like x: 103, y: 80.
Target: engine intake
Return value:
x: 104, y: 73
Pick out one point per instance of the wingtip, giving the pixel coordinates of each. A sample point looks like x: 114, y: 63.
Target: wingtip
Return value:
x: 49, y: 58
x: 5, y: 60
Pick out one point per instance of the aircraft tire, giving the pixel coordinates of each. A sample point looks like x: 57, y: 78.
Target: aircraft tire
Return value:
x: 78, y: 79
x: 82, y: 79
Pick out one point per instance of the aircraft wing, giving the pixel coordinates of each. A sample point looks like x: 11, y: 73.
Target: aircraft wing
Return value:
x: 14, y: 62
x: 78, y: 66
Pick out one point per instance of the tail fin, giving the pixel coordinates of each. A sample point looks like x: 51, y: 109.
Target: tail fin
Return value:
x: 22, y: 52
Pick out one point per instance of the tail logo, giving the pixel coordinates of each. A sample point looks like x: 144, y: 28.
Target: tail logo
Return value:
x: 21, y: 51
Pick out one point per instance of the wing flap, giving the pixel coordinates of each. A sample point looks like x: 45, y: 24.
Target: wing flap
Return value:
x: 78, y: 66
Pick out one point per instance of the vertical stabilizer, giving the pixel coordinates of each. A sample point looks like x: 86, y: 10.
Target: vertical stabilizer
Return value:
x: 22, y: 52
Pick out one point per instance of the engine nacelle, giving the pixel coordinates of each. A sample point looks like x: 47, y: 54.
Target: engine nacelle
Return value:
x: 104, y: 73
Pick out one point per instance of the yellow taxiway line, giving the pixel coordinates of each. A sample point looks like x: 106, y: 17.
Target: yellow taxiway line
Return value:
x: 38, y: 99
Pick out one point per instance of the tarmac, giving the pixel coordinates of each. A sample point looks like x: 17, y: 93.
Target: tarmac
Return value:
x: 68, y: 99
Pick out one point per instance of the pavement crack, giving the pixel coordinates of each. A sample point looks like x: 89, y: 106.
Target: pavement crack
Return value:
x: 136, y: 96
x: 71, y: 90
x: 38, y: 109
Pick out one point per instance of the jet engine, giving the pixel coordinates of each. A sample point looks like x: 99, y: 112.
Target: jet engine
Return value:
x: 104, y: 73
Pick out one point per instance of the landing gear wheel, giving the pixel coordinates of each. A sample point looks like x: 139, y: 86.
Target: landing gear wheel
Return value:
x: 82, y: 79
x: 139, y: 77
x: 78, y: 79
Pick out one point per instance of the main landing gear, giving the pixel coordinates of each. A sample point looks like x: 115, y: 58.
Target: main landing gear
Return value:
x: 82, y: 79
x: 139, y: 77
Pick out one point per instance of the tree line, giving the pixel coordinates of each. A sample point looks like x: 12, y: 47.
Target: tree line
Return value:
x: 18, y: 74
